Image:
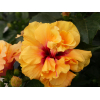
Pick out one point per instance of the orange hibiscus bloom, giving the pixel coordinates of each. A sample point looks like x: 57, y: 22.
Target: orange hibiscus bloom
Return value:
x: 8, y: 55
x: 48, y: 53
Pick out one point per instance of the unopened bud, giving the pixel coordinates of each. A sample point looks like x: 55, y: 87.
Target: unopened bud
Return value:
x: 9, y: 24
x: 65, y: 13
x: 16, y: 81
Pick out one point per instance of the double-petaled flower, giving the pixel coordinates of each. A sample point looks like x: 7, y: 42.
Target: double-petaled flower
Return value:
x: 48, y: 53
x: 8, y: 55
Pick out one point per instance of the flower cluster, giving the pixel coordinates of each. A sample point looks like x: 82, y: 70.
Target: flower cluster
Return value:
x: 8, y: 55
x: 48, y: 53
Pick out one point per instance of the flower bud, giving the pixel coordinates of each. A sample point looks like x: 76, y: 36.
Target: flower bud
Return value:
x: 65, y: 13
x: 16, y: 72
x: 9, y: 24
x: 16, y: 81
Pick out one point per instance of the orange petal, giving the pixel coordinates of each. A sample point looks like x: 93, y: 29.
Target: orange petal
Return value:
x: 73, y: 54
x: 61, y: 67
x: 71, y: 28
x: 68, y: 80
x: 87, y: 55
x: 44, y: 33
x: 67, y: 37
x: 59, y: 80
x: 29, y: 33
x: 63, y: 80
x: 83, y: 58
x: 13, y: 50
x: 49, y: 64
x: 32, y: 71
x: 31, y: 55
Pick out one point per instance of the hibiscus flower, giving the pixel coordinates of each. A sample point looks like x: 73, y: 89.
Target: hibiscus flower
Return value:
x: 8, y: 55
x: 48, y: 53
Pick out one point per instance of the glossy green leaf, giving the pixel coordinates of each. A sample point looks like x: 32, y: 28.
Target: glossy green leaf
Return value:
x: 87, y: 27
x: 93, y: 25
x: 80, y: 23
x: 10, y: 36
x: 44, y: 18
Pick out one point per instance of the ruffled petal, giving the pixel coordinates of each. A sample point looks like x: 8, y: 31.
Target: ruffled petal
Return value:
x: 49, y: 65
x: 14, y: 51
x: 59, y: 80
x: 29, y: 33
x: 81, y: 56
x: 71, y: 28
x: 73, y: 54
x: 44, y: 33
x: 31, y: 54
x: 61, y: 67
x: 87, y: 55
x: 68, y: 80
x: 32, y: 71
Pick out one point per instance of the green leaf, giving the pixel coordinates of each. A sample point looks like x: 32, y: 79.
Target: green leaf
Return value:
x: 55, y: 15
x: 93, y: 25
x: 44, y: 18
x: 10, y: 16
x: 10, y: 36
x: 2, y: 26
x: 94, y: 49
x: 34, y: 83
x: 87, y: 27
x: 25, y: 15
x: 80, y: 23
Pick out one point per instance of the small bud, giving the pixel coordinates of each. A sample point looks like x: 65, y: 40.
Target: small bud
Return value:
x: 16, y: 72
x: 65, y: 13
x: 16, y: 81
x: 9, y: 24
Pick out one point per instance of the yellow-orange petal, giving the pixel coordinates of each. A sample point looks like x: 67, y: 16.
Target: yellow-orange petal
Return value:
x: 14, y: 51
x: 59, y: 80
x: 67, y: 38
x: 32, y: 71
x: 68, y: 80
x: 62, y: 47
x: 82, y: 57
x: 44, y: 33
x: 73, y: 54
x: 29, y: 33
x: 49, y: 65
x: 61, y: 67
x: 31, y: 55
x: 81, y: 64
x: 71, y: 28
x: 63, y: 80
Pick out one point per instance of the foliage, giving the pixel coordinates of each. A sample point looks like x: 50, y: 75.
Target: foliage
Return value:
x: 88, y: 24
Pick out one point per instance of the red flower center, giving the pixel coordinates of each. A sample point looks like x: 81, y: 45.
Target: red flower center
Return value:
x: 48, y: 53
